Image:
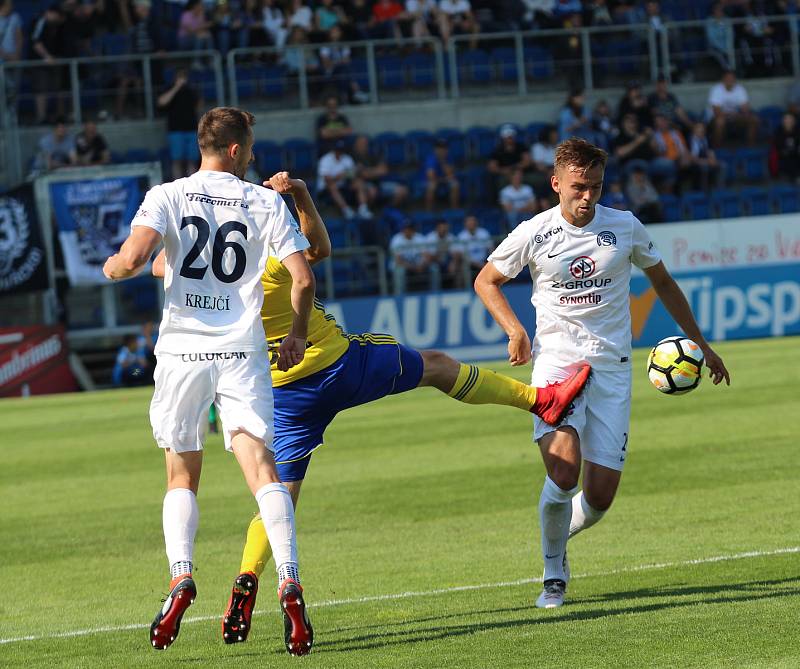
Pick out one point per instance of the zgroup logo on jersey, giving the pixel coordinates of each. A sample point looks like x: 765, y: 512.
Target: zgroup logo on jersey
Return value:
x: 540, y: 238
x: 606, y: 238
x: 582, y: 267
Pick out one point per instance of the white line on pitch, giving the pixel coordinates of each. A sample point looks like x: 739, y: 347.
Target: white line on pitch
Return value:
x: 428, y: 593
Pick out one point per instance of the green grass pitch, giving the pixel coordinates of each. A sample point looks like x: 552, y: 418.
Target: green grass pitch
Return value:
x: 418, y: 536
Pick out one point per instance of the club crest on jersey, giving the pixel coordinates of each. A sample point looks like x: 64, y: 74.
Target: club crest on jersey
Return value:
x: 582, y: 267
x: 606, y: 238
x: 540, y: 238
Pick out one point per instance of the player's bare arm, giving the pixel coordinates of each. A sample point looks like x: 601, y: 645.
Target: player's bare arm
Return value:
x: 311, y: 222
x: 158, y: 265
x: 293, y: 347
x: 133, y: 254
x: 671, y: 295
x: 488, y: 286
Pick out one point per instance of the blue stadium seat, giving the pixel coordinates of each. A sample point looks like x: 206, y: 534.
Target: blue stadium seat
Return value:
x: 696, y: 205
x: 729, y: 159
x: 114, y: 44
x: 753, y: 163
x: 786, y: 198
x: 770, y: 119
x: 538, y: 62
x: 482, y: 142
x: 269, y: 157
x: 727, y: 204
x: 246, y: 82
x: 392, y: 147
x: 300, y: 155
x: 420, y: 144
x: 671, y: 207
x: 359, y: 72
x: 474, y: 67
x: 138, y: 156
x: 424, y: 220
x: 421, y: 69
x: 534, y: 130
x: 756, y: 201
x: 492, y: 220
x: 455, y: 217
x: 274, y: 81
x: 456, y: 142
x: 474, y: 188
x: 504, y: 60
x: 205, y: 81
x: 391, y: 73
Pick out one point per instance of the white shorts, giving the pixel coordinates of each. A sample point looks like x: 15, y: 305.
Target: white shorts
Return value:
x: 239, y: 384
x: 600, y: 416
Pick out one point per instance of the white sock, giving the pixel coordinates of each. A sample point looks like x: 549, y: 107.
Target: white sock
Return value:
x: 277, y: 513
x: 180, y: 517
x: 583, y: 515
x: 555, y: 511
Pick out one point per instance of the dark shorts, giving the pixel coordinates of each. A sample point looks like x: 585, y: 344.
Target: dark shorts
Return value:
x: 373, y: 366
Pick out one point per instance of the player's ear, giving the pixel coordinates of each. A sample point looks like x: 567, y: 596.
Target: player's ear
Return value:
x: 554, y: 182
x: 234, y: 150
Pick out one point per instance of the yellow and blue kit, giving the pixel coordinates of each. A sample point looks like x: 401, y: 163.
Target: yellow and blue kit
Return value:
x: 339, y: 371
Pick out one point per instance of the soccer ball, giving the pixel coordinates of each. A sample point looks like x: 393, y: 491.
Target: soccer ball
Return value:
x: 674, y: 365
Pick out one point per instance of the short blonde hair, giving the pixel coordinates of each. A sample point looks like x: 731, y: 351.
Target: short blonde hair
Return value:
x: 577, y: 152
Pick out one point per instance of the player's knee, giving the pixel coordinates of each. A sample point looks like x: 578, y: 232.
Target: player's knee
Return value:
x: 601, y: 499
x: 439, y: 370
x: 565, y: 475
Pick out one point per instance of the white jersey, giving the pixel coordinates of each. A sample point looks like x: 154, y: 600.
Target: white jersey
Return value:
x: 581, y: 282
x: 217, y: 232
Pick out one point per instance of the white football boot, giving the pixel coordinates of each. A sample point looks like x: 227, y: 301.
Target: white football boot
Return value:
x: 554, y: 590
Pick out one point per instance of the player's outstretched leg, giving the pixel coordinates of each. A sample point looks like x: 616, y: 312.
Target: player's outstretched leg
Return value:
x: 180, y: 517
x: 555, y: 511
x: 475, y: 385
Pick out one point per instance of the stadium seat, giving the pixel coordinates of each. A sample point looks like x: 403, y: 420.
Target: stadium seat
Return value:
x: 726, y: 204
x: 504, y: 60
x: 474, y: 67
x: 786, y: 198
x: 456, y: 142
x: 756, y: 201
x: 455, y: 217
x: 538, y: 62
x: 474, y: 187
x: 114, y: 44
x: 770, y: 118
x: 534, y: 131
x: 671, y: 207
x: 269, y: 157
x: 482, y: 141
x: 206, y: 82
x: 391, y: 73
x: 421, y: 68
x: 300, y: 155
x: 246, y: 82
x: 420, y: 144
x: 424, y: 220
x: 359, y: 72
x: 729, y: 160
x: 696, y: 205
x: 274, y: 81
x: 392, y: 147
x: 753, y: 163
x: 492, y: 220
x: 138, y: 156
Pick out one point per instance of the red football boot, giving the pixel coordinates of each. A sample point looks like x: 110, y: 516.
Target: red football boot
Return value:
x: 167, y: 622
x: 554, y: 400
x: 298, y: 633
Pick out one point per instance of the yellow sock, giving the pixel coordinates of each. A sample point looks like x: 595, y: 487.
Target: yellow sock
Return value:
x: 475, y: 385
x: 257, y: 551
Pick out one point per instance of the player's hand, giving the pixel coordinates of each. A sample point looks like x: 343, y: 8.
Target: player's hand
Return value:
x: 107, y: 268
x: 291, y: 352
x: 519, y: 349
x: 284, y: 184
x: 716, y: 368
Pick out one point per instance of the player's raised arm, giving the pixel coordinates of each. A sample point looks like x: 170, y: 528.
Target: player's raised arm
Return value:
x: 133, y: 254
x: 311, y: 222
x: 671, y: 295
x: 293, y: 347
x: 488, y: 286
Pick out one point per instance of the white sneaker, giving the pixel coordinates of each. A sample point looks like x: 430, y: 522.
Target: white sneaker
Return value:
x: 349, y: 214
x: 364, y: 212
x: 553, y: 594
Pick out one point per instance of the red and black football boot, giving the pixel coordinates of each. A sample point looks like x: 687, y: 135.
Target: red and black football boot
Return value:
x: 167, y: 622
x: 554, y: 401
x: 298, y: 633
x: 236, y: 621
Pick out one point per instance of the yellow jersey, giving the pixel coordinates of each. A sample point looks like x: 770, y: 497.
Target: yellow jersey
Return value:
x: 326, y: 340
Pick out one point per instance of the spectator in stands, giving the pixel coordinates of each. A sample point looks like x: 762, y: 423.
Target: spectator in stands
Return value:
x: 332, y: 125
x: 274, y: 23
x: 194, y: 29
x: 48, y: 40
x: 457, y: 19
x: 509, y: 155
x: 440, y: 177
x: 672, y: 162
x: 605, y: 130
x: 387, y: 16
x: 614, y: 197
x: 336, y: 176
x: 423, y: 16
x: 327, y: 15
x: 144, y: 37
x: 597, y: 13
x: 231, y: 25
x: 11, y: 38
x: 409, y: 262
x: 295, y: 57
x: 476, y: 244
x: 518, y: 201
x: 129, y: 368
x: 181, y: 104
x: 80, y: 25
x: 662, y: 101
x: 335, y: 62
x: 374, y: 172
x: 300, y: 16
x: 758, y: 50
x: 359, y: 15
x: 786, y: 148
x: 90, y: 147
x: 643, y: 197
x: 55, y: 148
x: 705, y: 166
x: 729, y: 111
x: 568, y: 49
x: 573, y: 120
x: 719, y: 36
x: 537, y: 14
x: 543, y: 155
x: 634, y: 102
x: 446, y: 256
x: 655, y: 17
x: 633, y: 146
